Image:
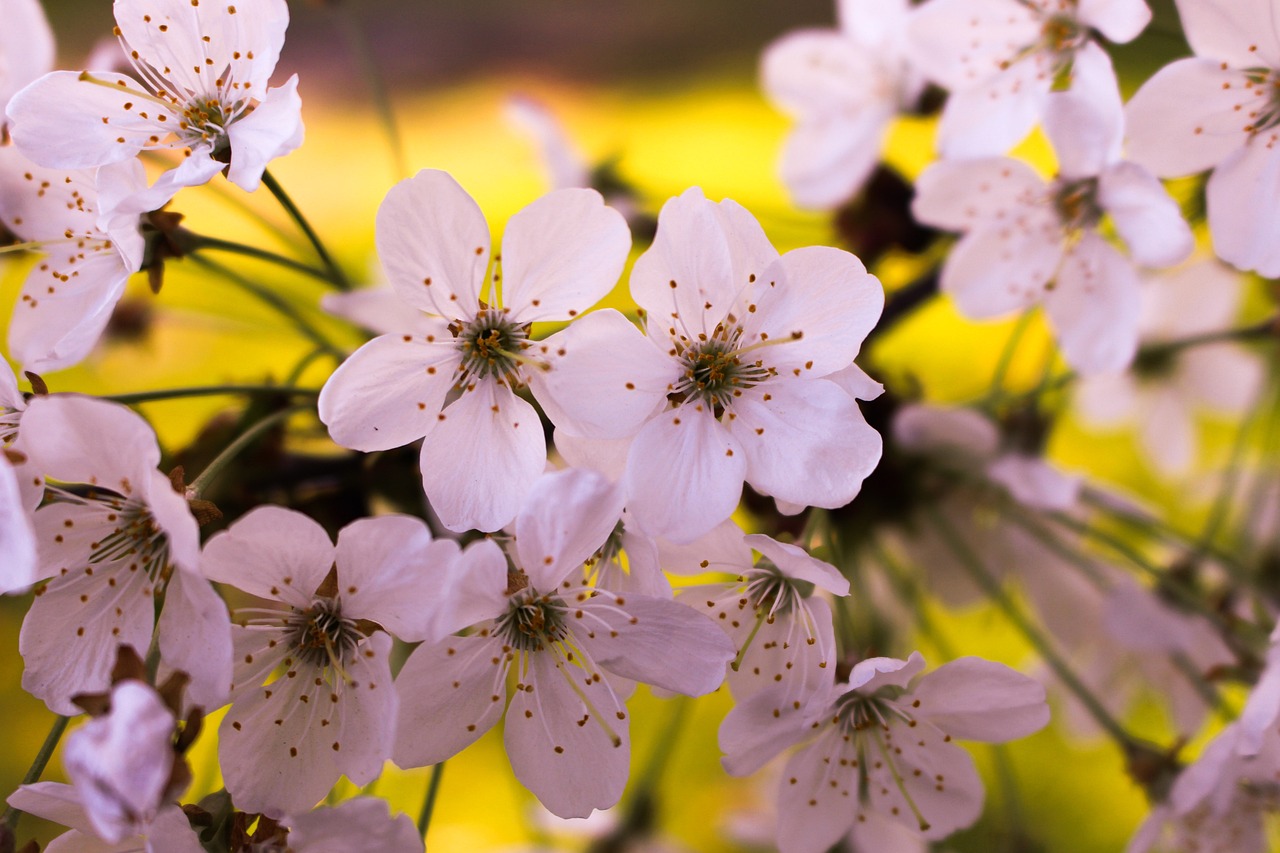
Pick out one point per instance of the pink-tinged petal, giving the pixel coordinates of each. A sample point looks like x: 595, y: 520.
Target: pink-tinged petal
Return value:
x: 606, y: 378
x: 607, y: 457
x: 1148, y: 219
x: 1241, y: 33
x: 17, y: 538
x: 810, y: 72
x: 749, y: 247
x: 561, y: 255
x: 382, y: 312
x: 390, y: 571
x: 1106, y: 399
x: 723, y: 549
x: 451, y: 693
x: 922, y: 428
x: 1119, y: 20
x: 689, y: 266
x: 74, y: 628
x: 817, y: 796
x: 827, y: 158
x: 1034, y: 483
x: 564, y: 164
x: 57, y: 121
x: 1094, y: 307
x: 271, y: 552
x: 566, y: 518
x: 475, y: 592
x: 389, y: 392
x: 960, y: 44
x: 121, y: 199
x: 684, y: 474
x: 364, y: 822
x: 960, y: 196
x: 1244, y: 211
x: 1189, y: 117
x: 434, y: 244
x: 643, y: 571
x: 55, y: 324
x: 794, y: 562
x: 938, y: 776
x: 1195, y: 299
x: 65, y: 536
x: 195, y: 637
x: 874, y: 831
x: 26, y: 48
x: 1168, y: 433
x: 873, y: 22
x: 172, y: 515
x: 75, y: 842
x: 997, y: 114
x: 364, y: 720
x: 795, y: 649
x: 571, y: 761
x: 10, y: 396
x: 762, y: 725
x: 85, y: 440
x: 171, y: 832
x: 272, y: 130
x: 975, y: 699
x: 856, y: 383
x: 820, y: 303
x: 653, y: 641
x: 1222, y: 377
x: 871, y: 674
x: 482, y: 457
x: 54, y: 802
x: 785, y: 427
x: 1262, y: 708
x: 1086, y: 122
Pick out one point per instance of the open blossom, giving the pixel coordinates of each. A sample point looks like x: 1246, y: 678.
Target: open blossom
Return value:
x: 68, y: 297
x: 362, y: 823
x: 882, y: 743
x: 113, y: 536
x: 1218, y: 110
x: 456, y: 383
x: 1163, y: 392
x: 167, y: 832
x: 1000, y: 61
x: 844, y: 87
x: 1027, y: 242
x: 201, y: 89
x: 332, y: 708
x: 26, y: 48
x: 566, y: 729
x: 731, y: 384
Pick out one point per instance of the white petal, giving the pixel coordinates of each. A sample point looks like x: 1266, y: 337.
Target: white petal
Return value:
x: 809, y: 72
x: 1086, y: 122
x: 55, y: 324
x: 873, y: 22
x: 391, y: 572
x: 1244, y: 215
x: 763, y: 724
x: 54, y: 802
x: 121, y: 199
x: 1242, y: 33
x: 606, y: 377
x: 195, y: 637
x: 17, y: 538
x: 975, y: 699
x: 172, y: 515
x: 566, y: 518
x: 827, y: 159
x: 653, y: 641
x: 856, y: 383
x: 1034, y: 483
x: 1094, y: 307
x: 561, y: 255
x: 482, y: 457
x: 85, y: 440
x: 962, y: 43
x: 794, y: 562
x: 434, y: 244
x: 382, y: 312
x: 1168, y: 433
x: 171, y: 832
x: 1148, y: 219
x: 1119, y: 20
x: 272, y: 130
x: 796, y: 650
x: 361, y: 822
x: 1222, y: 377
x: 565, y: 165
x: 789, y: 426
x: 475, y: 592
x: 960, y: 196
x: 451, y: 693
x: 26, y: 48
x: 57, y: 121
x: 1105, y: 399
x: 947, y: 789
x: 1187, y: 117
x: 724, y: 549
x: 389, y: 392
x: 996, y: 115
x: 607, y: 457
x: 684, y: 474
x: 922, y: 428
x: 818, y: 795
x: 271, y: 552
x: 870, y: 674
x: 572, y: 762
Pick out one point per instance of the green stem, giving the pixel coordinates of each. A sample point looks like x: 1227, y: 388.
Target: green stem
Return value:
x: 429, y: 802
x: 235, y: 448
x: 989, y: 585
x: 11, y: 815
x: 1006, y: 355
x: 1268, y: 328
x: 212, y: 391
x: 272, y: 299
x: 337, y: 276
x: 199, y: 242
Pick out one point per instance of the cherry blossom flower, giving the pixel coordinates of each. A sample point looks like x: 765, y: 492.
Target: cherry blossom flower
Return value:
x: 731, y: 384
x: 566, y: 729
x: 1163, y: 392
x: 201, y: 89
x: 363, y: 823
x: 881, y: 743
x: 1218, y: 110
x: 1000, y: 61
x: 844, y: 87
x: 26, y: 48
x: 781, y: 630
x: 167, y: 832
x: 68, y: 298
x: 113, y: 536
x: 456, y: 385
x: 17, y: 538
x: 1027, y: 242
x: 332, y: 709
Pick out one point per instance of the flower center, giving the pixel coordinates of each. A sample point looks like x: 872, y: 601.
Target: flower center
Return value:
x: 205, y: 119
x: 1265, y: 83
x: 1077, y: 204
x: 532, y: 621
x: 135, y: 537
x: 491, y: 346
x: 856, y: 712
x: 769, y: 592
x: 715, y: 371
x: 321, y: 635
x: 1062, y: 34
x: 9, y: 419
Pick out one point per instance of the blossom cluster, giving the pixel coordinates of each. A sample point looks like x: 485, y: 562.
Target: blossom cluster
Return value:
x: 586, y: 476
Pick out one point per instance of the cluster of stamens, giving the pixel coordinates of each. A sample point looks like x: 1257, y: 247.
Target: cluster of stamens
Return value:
x: 533, y: 621
x: 1077, y: 205
x: 321, y: 636
x: 1265, y: 83
x: 714, y: 371
x: 135, y: 537
x: 491, y: 346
